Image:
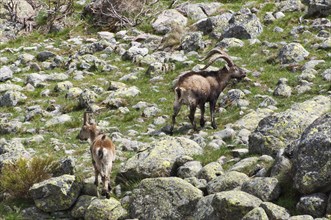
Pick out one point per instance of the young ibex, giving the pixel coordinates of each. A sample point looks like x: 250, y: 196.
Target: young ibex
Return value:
x: 102, y: 151
x: 196, y: 88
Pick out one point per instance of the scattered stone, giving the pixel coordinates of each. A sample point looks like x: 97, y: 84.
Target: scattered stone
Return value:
x: 274, y: 211
x: 252, y: 165
x: 12, y: 98
x: 45, y: 55
x: 189, y: 169
x: 256, y: 213
x: 211, y: 171
x: 164, y: 21
x: 104, y: 209
x: 292, y: 53
x: 5, y: 73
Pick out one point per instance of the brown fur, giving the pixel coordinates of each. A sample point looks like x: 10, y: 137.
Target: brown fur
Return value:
x: 196, y: 88
x: 102, y: 153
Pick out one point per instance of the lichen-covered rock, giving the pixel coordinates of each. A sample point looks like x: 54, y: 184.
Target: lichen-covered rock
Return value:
x: 164, y: 21
x: 231, y: 42
x: 124, y: 92
x: 192, y: 11
x: 12, y: 98
x: 311, y: 161
x: 265, y: 188
x: 256, y: 214
x: 243, y: 25
x: 189, y: 169
x: 73, y: 93
x: 301, y: 217
x: 192, y: 42
x: 314, y: 205
x: 11, y: 150
x: 281, y: 168
x: 44, y: 55
x: 290, y: 5
x: 204, y: 209
x: 108, y: 209
x: 36, y: 79
x: 211, y: 171
x: 274, y: 211
x: 164, y: 198
x: 86, y: 98
x: 234, y: 205
x: 34, y: 213
x: 251, y: 120
x: 55, y: 194
x: 63, y: 86
x: 5, y: 73
x: 228, y: 181
x: 133, y: 52
x: 292, y: 53
x: 80, y: 207
x: 158, y: 160
x: 277, y: 131
x: 319, y: 8
x: 282, y: 89
x: 251, y: 165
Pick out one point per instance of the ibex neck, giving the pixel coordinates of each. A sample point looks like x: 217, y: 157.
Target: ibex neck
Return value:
x: 93, y: 135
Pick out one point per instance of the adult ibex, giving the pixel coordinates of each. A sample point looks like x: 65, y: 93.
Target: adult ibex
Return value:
x: 196, y: 88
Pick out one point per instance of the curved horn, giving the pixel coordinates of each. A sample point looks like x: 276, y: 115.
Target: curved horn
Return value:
x: 222, y: 54
x: 86, y: 118
x: 225, y: 57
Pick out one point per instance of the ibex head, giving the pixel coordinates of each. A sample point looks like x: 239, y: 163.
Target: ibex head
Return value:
x: 87, y: 129
x: 233, y: 69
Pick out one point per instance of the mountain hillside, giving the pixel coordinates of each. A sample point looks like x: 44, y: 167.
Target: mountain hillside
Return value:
x: 123, y: 64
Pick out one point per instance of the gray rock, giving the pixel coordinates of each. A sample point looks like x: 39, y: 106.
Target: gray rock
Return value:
x: 9, y: 86
x: 91, y: 48
x: 164, y: 21
x: 73, y: 93
x: 281, y: 168
x: 290, y: 5
x: 5, y: 73
x: 292, y: 53
x: 45, y: 55
x: 311, y: 161
x: 277, y: 131
x: 314, y: 205
x: 230, y: 42
x: 251, y: 120
x: 61, y: 119
x: 312, y: 64
x: 265, y: 188
x: 198, y: 183
x: 25, y: 58
x: 189, y: 169
x: 327, y: 75
x: 55, y: 194
x: 192, y: 42
x: 12, y: 98
x: 282, y: 89
x: 155, y: 199
x: 301, y: 217
x: 36, y: 79
x: 151, y: 112
x: 192, y: 11
x: 11, y: 151
x: 234, y: 205
x: 133, y: 52
x: 63, y: 86
x: 318, y: 8
x: 303, y: 87
x: 204, y: 209
x: 34, y: 213
x: 274, y: 211
x: 228, y: 181
x: 243, y: 25
x: 158, y: 160
x: 204, y: 25
x: 86, y: 98
x: 80, y: 207
x: 10, y: 127
x: 104, y: 209
x: 219, y: 24
x: 252, y: 165
x: 211, y: 171
x: 124, y: 92
x: 66, y: 166
x: 256, y: 213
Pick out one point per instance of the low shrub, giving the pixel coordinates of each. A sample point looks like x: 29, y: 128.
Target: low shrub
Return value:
x: 16, y: 178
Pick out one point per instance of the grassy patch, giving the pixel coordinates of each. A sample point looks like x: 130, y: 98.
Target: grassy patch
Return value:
x: 211, y: 155
x: 288, y: 199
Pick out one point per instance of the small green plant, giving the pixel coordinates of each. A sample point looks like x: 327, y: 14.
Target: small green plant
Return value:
x: 16, y: 178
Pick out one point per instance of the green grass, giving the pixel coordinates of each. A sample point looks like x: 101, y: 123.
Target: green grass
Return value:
x: 211, y: 155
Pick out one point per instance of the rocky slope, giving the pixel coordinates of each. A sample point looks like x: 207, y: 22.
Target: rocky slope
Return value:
x: 269, y: 159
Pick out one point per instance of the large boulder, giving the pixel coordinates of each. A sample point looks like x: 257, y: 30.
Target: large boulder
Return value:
x: 166, y: 19
x: 319, y: 8
x: 164, y: 198
x: 243, y: 25
x: 204, y: 209
x: 311, y: 160
x: 159, y: 159
x: 234, y: 205
x: 277, y: 131
x: 265, y: 188
x: 257, y: 213
x: 55, y: 194
x: 314, y: 205
x: 275, y: 211
x: 292, y: 53
x: 228, y: 181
